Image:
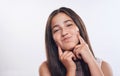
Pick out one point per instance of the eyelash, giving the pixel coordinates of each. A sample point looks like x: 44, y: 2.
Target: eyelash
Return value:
x: 56, y: 30
x: 69, y: 25
x: 59, y: 29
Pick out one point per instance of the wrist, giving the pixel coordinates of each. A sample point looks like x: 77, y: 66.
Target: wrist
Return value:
x: 71, y: 72
x: 91, y: 60
x: 72, y: 69
x: 92, y: 63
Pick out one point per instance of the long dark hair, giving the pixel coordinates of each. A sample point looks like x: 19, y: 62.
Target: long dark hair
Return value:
x: 55, y: 66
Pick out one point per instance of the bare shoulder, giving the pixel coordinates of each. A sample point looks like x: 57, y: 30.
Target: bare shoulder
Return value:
x: 106, y: 69
x: 43, y: 69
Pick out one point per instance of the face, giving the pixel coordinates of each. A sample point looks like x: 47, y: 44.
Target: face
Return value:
x: 64, y: 31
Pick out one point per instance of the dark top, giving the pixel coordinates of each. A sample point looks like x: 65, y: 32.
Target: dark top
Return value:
x: 79, y: 71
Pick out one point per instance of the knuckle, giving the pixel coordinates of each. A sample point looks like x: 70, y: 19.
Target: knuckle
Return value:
x: 61, y: 58
x: 70, y: 52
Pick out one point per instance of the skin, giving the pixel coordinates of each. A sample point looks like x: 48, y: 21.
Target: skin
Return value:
x: 61, y: 25
x: 66, y: 35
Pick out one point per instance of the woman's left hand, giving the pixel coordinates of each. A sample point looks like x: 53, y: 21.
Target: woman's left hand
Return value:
x: 82, y: 50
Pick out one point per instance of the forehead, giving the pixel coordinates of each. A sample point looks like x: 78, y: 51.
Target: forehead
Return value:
x: 60, y: 18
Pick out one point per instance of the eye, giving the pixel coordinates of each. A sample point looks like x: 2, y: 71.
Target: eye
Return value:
x: 68, y: 25
x: 56, y: 30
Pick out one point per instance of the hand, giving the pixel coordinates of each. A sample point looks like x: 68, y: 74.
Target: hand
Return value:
x: 66, y: 58
x: 82, y: 50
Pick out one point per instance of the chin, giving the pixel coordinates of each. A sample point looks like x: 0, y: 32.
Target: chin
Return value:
x: 69, y: 48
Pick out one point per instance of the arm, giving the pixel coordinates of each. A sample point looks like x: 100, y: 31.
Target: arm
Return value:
x: 96, y: 70
x: 82, y: 50
x: 43, y: 70
x: 67, y: 60
x: 106, y: 69
x: 71, y: 72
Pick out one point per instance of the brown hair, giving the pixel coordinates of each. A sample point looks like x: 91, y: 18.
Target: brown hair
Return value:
x: 55, y: 66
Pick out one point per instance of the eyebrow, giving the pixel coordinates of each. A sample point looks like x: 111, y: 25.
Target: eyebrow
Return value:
x: 67, y: 21
x: 54, y: 26
x: 64, y: 22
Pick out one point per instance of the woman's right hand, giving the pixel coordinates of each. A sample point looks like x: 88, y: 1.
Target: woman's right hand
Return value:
x: 66, y: 58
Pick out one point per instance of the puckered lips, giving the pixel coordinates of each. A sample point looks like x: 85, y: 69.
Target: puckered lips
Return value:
x: 66, y: 38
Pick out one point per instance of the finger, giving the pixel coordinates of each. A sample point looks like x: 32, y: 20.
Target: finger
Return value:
x: 70, y: 55
x: 60, y: 52
x: 74, y: 57
x: 79, y: 56
x: 67, y: 54
x: 77, y: 51
x: 80, y: 38
x: 76, y: 48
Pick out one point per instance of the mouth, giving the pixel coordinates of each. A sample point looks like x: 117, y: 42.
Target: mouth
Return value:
x: 66, y: 39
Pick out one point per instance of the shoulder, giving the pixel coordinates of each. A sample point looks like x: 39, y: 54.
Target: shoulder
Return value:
x: 106, y: 68
x: 43, y: 69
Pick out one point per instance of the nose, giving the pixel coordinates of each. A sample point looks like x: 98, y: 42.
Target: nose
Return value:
x: 64, y: 32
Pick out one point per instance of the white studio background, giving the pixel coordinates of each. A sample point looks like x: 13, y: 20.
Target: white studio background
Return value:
x: 22, y: 29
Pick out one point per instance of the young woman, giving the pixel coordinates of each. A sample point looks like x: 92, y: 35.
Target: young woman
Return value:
x: 68, y: 48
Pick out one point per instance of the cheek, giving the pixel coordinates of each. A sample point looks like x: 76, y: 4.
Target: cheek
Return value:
x: 74, y: 32
x: 56, y: 39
